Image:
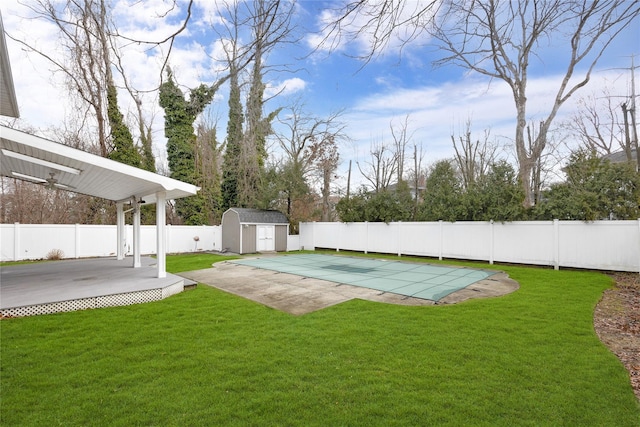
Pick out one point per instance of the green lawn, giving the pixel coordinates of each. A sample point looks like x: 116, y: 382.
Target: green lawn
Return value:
x: 209, y: 358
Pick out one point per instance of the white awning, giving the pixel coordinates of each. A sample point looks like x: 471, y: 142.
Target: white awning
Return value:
x: 32, y: 158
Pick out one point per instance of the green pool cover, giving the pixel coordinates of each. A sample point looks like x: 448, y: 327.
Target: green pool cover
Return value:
x: 405, y: 278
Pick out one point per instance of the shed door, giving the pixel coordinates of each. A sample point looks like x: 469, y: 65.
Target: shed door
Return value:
x: 266, y: 240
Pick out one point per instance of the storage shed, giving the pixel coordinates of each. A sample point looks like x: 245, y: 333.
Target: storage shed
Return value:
x: 246, y: 231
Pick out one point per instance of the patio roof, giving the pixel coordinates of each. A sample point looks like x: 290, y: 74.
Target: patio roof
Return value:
x: 8, y: 100
x: 32, y: 158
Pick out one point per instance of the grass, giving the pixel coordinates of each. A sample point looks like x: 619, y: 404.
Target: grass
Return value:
x: 196, y: 261
x: 205, y: 357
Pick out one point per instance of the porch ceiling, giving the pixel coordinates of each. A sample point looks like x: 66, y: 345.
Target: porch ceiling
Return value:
x: 32, y: 158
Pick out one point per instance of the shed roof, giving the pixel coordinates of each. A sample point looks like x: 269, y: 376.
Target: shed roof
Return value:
x: 258, y: 216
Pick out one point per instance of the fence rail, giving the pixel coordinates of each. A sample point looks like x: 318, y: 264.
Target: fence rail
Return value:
x: 599, y: 245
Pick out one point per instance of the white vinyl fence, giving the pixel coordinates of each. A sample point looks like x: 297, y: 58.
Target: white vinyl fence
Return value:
x: 34, y: 241
x: 599, y: 245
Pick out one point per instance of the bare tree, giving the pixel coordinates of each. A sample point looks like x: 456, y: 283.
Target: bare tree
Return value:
x: 401, y: 138
x: 417, y: 177
x: 381, y: 168
x: 381, y: 24
x: 87, y: 43
x: 326, y: 159
x: 597, y: 123
x: 500, y: 39
x: 473, y: 158
x: 301, y: 140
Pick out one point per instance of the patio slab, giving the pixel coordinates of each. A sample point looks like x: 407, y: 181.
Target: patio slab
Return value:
x: 300, y: 295
x: 67, y: 285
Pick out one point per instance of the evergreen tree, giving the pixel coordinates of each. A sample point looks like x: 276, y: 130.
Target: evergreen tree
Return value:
x: 148, y: 161
x: 180, y: 115
x: 594, y: 189
x: 124, y: 151
x: 497, y: 195
x: 442, y: 198
x: 232, y: 156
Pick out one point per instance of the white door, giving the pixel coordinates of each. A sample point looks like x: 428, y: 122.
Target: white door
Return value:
x: 266, y: 241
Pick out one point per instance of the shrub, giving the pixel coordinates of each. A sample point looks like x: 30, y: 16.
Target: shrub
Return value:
x: 55, y: 254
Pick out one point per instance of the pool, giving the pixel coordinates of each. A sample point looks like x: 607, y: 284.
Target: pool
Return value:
x: 411, y: 279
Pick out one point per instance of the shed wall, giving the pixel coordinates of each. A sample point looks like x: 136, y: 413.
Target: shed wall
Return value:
x: 249, y: 238
x: 281, y: 233
x: 231, y: 231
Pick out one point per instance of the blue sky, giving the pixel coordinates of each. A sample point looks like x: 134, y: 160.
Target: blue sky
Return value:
x: 390, y: 88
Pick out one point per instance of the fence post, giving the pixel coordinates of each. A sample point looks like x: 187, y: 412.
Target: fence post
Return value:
x: 399, y: 240
x: 556, y: 244
x: 366, y: 237
x: 16, y: 241
x: 491, y: 230
x: 441, y: 237
x: 76, y: 230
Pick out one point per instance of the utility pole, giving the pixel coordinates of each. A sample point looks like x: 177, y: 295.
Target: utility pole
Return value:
x: 349, y: 180
x: 634, y: 127
x: 629, y: 117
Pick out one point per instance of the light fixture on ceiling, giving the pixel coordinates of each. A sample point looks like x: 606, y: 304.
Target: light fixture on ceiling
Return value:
x: 41, y: 162
x: 28, y: 177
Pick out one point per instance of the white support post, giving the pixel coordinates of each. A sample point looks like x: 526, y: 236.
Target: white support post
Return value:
x: 120, y: 230
x: 136, y: 235
x: 161, y: 220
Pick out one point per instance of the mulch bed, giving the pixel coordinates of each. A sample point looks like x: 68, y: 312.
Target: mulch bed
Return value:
x: 617, y: 323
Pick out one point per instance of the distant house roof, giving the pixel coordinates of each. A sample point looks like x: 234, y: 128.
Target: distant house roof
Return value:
x: 258, y: 216
x: 620, y: 157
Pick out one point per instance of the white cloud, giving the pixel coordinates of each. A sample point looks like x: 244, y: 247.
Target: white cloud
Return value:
x: 286, y: 87
x: 435, y: 112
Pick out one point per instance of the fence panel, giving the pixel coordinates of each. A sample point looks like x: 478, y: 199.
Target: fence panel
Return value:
x: 383, y: 238
x: 420, y: 238
x: 95, y: 241
x: 525, y: 242
x: 466, y: 240
x: 7, y: 242
x: 603, y: 245
x: 34, y: 241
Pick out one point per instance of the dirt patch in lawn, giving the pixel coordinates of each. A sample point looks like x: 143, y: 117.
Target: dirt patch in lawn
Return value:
x: 617, y: 323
